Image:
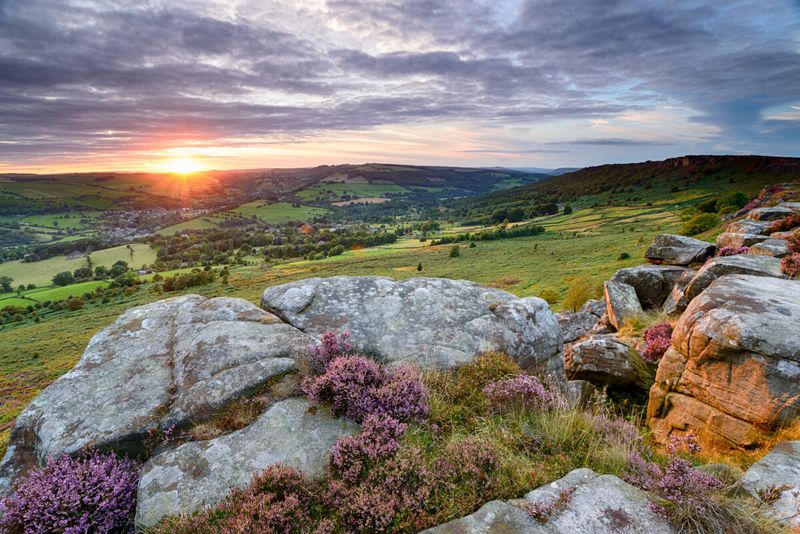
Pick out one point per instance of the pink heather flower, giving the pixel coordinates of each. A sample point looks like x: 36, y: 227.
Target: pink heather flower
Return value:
x: 351, y: 455
x: 658, y: 339
x: 732, y: 251
x: 91, y: 493
x: 331, y: 347
x: 521, y: 391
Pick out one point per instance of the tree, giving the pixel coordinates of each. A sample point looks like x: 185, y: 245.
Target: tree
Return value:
x: 580, y: 290
x: 82, y: 273
x: 119, y: 268
x: 567, y: 209
x: 64, y: 279
x: 419, y: 266
x: 5, y: 284
x: 455, y: 251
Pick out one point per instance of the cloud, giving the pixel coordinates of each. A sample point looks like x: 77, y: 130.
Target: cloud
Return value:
x: 209, y: 70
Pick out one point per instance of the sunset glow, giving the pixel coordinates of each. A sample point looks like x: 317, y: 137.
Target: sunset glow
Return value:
x: 182, y: 166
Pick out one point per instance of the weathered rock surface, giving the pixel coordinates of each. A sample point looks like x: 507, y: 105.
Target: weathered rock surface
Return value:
x: 202, y: 473
x: 158, y: 365
x: 778, y: 469
x: 434, y: 322
x: 621, y: 302
x: 598, y: 504
x: 748, y: 226
x: 676, y: 301
x: 785, y: 234
x: 769, y: 214
x: 653, y: 283
x: 575, y: 325
x: 673, y: 249
x: 731, y: 374
x: 737, y: 264
x: 776, y: 248
x: 728, y: 239
x: 579, y: 392
x: 606, y: 360
x: 794, y: 206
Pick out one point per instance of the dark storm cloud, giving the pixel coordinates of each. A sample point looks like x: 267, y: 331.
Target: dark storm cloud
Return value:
x: 91, y: 76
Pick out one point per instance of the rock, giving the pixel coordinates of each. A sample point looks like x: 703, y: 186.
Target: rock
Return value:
x: 784, y: 235
x: 673, y: 249
x: 737, y: 264
x: 653, y: 283
x: 732, y: 371
x: 747, y: 226
x: 202, y: 473
x: 794, y: 206
x: 778, y: 471
x: 580, y: 392
x: 597, y: 504
x: 621, y: 303
x: 434, y: 322
x: 606, y: 360
x: 728, y: 239
x: 776, y: 248
x: 769, y: 214
x: 157, y: 365
x: 575, y: 325
x: 676, y: 302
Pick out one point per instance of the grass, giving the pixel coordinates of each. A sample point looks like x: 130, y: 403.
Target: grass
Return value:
x: 42, y: 272
x: 335, y: 191
x: 279, y: 212
x: 201, y: 223
x: 52, y: 293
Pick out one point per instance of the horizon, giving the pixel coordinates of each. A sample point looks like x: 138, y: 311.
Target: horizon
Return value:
x: 211, y: 85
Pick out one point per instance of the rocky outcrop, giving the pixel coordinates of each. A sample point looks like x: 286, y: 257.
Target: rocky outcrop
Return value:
x: 728, y: 239
x: 731, y: 373
x: 653, y: 283
x: 794, y: 206
x: 737, y: 264
x: 606, y: 360
x: 621, y: 302
x: 747, y: 226
x: 769, y: 214
x: 776, y: 248
x: 670, y: 249
x: 433, y: 322
x: 158, y: 365
x: 595, y: 504
x: 778, y: 471
x: 202, y: 473
x: 676, y: 301
x: 575, y: 325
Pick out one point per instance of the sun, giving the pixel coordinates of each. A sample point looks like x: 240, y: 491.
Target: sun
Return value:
x: 182, y: 166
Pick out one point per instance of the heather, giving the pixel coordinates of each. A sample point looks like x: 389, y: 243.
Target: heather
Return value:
x: 790, y: 265
x: 786, y: 223
x: 732, y: 251
x: 658, y: 339
x: 93, y: 492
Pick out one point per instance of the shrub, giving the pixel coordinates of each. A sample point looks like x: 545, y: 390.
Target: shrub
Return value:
x: 793, y: 243
x: 623, y: 256
x: 732, y: 251
x: 91, y: 493
x: 699, y: 223
x: 658, y: 339
x: 790, y: 265
x: 352, y: 455
x: 580, y: 290
x: 787, y: 223
x: 455, y: 251
x: 550, y: 295
x: 732, y: 201
x: 317, y: 357
x: 521, y: 392
x: 75, y: 303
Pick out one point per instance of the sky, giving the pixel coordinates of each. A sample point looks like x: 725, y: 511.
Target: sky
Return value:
x: 102, y: 85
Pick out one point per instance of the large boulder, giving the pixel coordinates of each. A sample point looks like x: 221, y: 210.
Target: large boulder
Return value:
x: 769, y: 214
x: 747, y: 226
x: 597, y: 504
x: 606, y: 360
x: 653, y: 283
x: 434, y: 322
x: 732, y: 371
x: 159, y: 365
x: 676, y: 301
x: 673, y: 249
x: 777, y: 248
x: 729, y: 240
x: 621, y: 302
x: 201, y: 473
x: 575, y: 325
x: 794, y: 206
x: 779, y: 470
x: 737, y: 264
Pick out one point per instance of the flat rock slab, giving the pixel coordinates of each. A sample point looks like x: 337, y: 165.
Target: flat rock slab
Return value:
x: 769, y: 214
x: 728, y: 239
x: 201, y: 473
x: 432, y: 322
x: 737, y: 264
x: 778, y: 469
x: 158, y: 365
x: 748, y: 226
x: 606, y: 360
x: 731, y: 374
x: 794, y: 206
x: 653, y: 283
x: 777, y: 248
x: 670, y: 249
x: 621, y: 302
x: 598, y: 504
x: 575, y: 325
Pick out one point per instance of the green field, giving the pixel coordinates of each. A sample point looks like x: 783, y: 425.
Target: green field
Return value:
x: 51, y: 293
x: 335, y: 191
x: 201, y: 223
x: 279, y: 212
x: 42, y: 272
